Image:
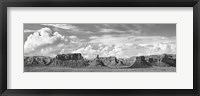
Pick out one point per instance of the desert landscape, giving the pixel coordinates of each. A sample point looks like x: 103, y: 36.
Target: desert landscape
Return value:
x: 75, y: 62
x: 99, y: 47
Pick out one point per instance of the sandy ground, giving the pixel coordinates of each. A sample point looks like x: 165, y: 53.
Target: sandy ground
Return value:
x: 64, y: 69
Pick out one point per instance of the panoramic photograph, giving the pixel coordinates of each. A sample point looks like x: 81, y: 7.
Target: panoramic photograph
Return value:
x: 100, y: 47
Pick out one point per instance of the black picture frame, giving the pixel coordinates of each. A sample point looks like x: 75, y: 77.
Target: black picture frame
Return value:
x: 99, y: 3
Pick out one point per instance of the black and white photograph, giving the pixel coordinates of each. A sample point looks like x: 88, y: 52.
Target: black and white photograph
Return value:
x: 100, y: 47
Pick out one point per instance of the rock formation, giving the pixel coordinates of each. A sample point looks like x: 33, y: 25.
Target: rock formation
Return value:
x: 129, y: 61
x: 169, y: 59
x: 140, y: 62
x: 72, y: 56
x: 164, y: 60
x: 71, y: 63
x: 97, y: 63
x: 109, y: 61
x: 74, y: 60
x: 37, y: 60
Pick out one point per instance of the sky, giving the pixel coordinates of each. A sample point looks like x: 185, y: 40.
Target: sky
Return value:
x: 120, y: 40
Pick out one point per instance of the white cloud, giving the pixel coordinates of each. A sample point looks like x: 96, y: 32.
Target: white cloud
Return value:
x: 129, y: 44
x: 137, y: 45
x: 159, y: 48
x: 63, y: 26
x: 120, y: 40
x: 46, y: 51
x: 62, y: 51
x: 40, y: 38
x: 104, y: 51
x: 73, y: 37
x: 46, y: 42
x: 60, y: 45
x: 107, y: 30
x: 89, y: 32
x: 140, y: 54
x: 108, y: 40
x: 29, y: 31
x: 104, y: 30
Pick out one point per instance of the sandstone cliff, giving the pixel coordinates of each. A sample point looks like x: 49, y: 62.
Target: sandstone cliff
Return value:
x: 76, y: 60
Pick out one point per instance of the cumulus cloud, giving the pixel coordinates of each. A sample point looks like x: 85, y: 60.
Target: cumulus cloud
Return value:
x: 108, y: 40
x: 46, y: 51
x: 122, y: 41
x: 159, y: 48
x: 41, y: 37
x: 137, y: 45
x: 162, y: 48
x: 75, y: 39
x: 91, y: 52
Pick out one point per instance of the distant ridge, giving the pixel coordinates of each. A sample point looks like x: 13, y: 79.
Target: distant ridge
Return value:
x: 76, y: 60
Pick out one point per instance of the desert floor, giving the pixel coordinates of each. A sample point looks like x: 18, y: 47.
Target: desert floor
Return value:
x: 64, y: 69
